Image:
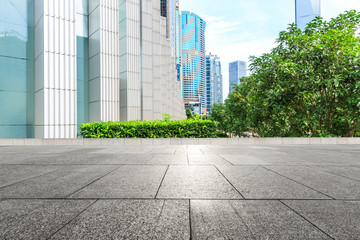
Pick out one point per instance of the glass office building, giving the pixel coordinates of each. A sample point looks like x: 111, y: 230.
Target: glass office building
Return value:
x: 306, y: 11
x: 178, y: 42
x: 214, y: 84
x: 63, y: 63
x: 237, y: 70
x: 168, y: 10
x: 17, y: 71
x: 193, y: 60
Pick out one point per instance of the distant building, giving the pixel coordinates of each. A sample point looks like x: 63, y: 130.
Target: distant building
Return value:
x: 214, y: 81
x: 178, y: 42
x: 306, y: 11
x: 193, y: 60
x: 237, y: 70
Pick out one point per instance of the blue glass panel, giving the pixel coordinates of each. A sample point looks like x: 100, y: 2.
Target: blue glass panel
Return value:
x: 17, y: 68
x: 82, y: 80
x: 13, y: 108
x: 15, y: 131
x: 13, y: 74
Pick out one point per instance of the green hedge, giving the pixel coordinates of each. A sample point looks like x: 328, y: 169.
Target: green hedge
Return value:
x: 151, y: 129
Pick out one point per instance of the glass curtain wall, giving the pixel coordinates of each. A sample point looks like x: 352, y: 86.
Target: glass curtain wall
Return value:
x: 193, y: 58
x: 82, y: 61
x: 17, y: 68
x: 237, y: 70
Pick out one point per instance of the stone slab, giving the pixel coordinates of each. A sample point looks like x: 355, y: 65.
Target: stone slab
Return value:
x: 168, y: 150
x: 169, y: 160
x: 50, y: 155
x: 58, y: 184
x: 126, y: 182
x: 255, y: 182
x: 349, y: 172
x: 200, y: 159
x: 130, y: 219
x: 332, y: 185
x: 37, y: 219
x: 126, y: 159
x: 196, y: 182
x: 187, y: 150
x: 249, y: 220
x: 11, y: 174
x: 244, y: 159
x: 339, y: 219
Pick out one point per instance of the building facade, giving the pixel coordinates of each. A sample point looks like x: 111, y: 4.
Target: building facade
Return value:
x: 237, y: 70
x: 214, y: 81
x: 306, y: 11
x: 66, y: 62
x: 178, y: 42
x: 193, y: 61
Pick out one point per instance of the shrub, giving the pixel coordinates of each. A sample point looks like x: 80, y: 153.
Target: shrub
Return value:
x: 150, y: 129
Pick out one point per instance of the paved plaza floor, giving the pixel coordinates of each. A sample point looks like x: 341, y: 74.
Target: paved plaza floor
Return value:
x: 180, y: 192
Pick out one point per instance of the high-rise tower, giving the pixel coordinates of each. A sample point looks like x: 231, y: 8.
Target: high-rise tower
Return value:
x: 214, y: 81
x: 306, y: 11
x: 193, y: 60
x: 237, y: 70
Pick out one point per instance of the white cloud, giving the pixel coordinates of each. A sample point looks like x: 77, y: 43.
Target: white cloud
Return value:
x: 332, y: 8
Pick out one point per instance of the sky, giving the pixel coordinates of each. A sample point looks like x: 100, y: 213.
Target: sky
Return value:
x: 237, y: 29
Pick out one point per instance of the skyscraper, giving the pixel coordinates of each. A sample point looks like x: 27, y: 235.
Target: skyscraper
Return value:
x: 178, y: 42
x: 92, y: 61
x: 193, y: 60
x: 214, y: 84
x: 237, y: 70
x: 306, y: 11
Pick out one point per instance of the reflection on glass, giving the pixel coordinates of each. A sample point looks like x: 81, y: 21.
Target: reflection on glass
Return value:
x: 17, y: 68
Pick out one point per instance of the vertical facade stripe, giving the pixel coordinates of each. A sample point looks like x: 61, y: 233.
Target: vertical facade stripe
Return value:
x: 55, y: 105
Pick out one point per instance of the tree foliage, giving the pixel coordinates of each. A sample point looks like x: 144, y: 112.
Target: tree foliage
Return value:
x: 308, y: 85
x: 189, y: 115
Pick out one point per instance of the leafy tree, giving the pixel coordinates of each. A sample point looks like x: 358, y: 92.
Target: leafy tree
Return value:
x: 189, y: 114
x: 309, y: 85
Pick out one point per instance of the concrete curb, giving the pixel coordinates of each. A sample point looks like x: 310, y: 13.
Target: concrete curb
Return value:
x: 176, y: 141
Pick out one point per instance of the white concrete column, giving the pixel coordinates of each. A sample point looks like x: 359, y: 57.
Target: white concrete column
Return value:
x: 157, y: 100
x: 55, y: 69
x: 129, y: 40
x: 104, y: 83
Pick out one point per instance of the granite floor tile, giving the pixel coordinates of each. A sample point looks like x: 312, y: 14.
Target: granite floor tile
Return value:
x: 244, y: 159
x: 332, y: 185
x: 256, y: 182
x: 196, y: 182
x: 169, y: 160
x: 238, y: 219
x: 126, y: 182
x: 200, y: 159
x: 37, y: 219
x: 349, y: 172
x: 340, y: 219
x: 11, y: 174
x: 130, y: 219
x: 58, y: 184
